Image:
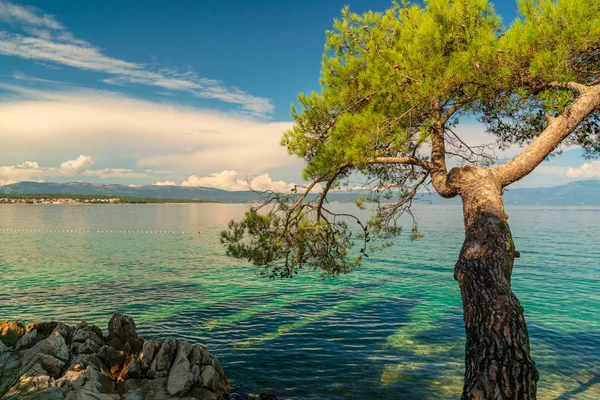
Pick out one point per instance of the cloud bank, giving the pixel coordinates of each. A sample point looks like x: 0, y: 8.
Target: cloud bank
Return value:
x: 146, y: 140
x: 231, y: 180
x: 586, y: 171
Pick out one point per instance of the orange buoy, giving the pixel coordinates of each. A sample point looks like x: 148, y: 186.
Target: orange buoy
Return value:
x: 198, y: 232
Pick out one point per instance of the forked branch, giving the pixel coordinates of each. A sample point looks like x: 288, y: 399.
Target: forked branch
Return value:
x: 555, y: 132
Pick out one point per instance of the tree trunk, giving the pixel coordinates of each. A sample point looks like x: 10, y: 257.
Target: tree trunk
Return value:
x: 497, y: 359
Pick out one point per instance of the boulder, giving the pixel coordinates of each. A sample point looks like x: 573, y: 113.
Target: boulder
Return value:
x: 73, y: 379
x: 84, y: 326
x: 204, y: 394
x: 33, y: 380
x: 87, y: 347
x: 149, y: 349
x: 27, y: 340
x: 54, y: 345
x: 149, y: 389
x: 43, y: 329
x: 82, y: 394
x: 132, y: 369
x: 122, y: 334
x: 79, y: 363
x: 53, y: 366
x: 82, y: 361
x: 214, y: 380
x: 11, y: 332
x: 180, y: 376
x: 161, y: 364
x: 88, y: 333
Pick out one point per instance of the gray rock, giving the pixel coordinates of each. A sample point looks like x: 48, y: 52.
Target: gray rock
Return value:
x: 209, y: 378
x: 54, y: 345
x: 132, y: 369
x: 51, y: 393
x: 196, y: 371
x: 34, y: 379
x: 51, y: 365
x: 44, y: 329
x: 73, y: 379
x: 98, y: 382
x: 107, y: 354
x: 63, y: 330
x: 87, y: 327
x: 82, y: 361
x: 79, y: 363
x: 83, y: 335
x: 27, y: 340
x: 89, y: 346
x: 200, y: 355
x: 149, y: 389
x: 180, y: 376
x: 149, y: 349
x: 122, y: 334
x: 212, y: 379
x: 204, y: 394
x: 82, y: 394
x: 161, y: 364
x: 11, y: 332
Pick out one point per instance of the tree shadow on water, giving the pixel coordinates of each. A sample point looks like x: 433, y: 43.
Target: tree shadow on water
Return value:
x: 580, y: 389
x: 329, y: 346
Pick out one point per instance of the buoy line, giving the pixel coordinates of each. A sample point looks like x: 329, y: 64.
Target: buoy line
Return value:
x: 100, y: 231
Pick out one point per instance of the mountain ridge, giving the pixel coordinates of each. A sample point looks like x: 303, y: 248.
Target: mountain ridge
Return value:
x: 585, y: 192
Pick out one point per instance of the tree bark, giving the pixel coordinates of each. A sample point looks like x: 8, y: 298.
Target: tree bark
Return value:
x: 498, y: 364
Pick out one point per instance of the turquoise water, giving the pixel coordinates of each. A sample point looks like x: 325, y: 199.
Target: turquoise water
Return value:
x: 393, y: 329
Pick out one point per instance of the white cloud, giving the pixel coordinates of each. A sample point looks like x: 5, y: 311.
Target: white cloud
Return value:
x: 81, y: 166
x: 165, y: 183
x: 229, y: 180
x: 31, y: 16
x: 120, y: 131
x: 77, y: 166
x: 47, y: 40
x: 587, y: 170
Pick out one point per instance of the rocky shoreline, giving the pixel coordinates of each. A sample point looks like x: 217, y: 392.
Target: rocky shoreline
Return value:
x: 54, y: 361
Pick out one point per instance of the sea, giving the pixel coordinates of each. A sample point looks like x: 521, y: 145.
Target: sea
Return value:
x: 392, y: 329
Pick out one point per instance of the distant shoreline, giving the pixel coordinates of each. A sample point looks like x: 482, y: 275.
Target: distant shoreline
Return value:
x: 66, y: 199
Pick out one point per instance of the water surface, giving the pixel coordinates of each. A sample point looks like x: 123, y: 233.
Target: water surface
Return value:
x: 392, y: 329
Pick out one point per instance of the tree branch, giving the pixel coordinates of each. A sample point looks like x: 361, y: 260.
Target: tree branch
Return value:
x: 557, y: 129
x: 439, y: 173
x: 577, y: 87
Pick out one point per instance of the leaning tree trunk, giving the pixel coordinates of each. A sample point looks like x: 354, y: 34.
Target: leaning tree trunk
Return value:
x: 497, y: 359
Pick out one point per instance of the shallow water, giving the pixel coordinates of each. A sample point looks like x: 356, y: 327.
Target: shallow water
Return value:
x: 392, y: 329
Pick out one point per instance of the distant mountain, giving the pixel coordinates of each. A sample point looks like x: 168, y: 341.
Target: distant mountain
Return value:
x: 149, y: 191
x: 579, y: 193
x: 573, y: 193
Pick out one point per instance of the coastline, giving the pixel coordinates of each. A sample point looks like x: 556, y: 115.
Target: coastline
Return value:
x: 53, y: 361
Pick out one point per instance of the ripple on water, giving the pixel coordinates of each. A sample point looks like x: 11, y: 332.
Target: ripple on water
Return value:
x: 392, y: 329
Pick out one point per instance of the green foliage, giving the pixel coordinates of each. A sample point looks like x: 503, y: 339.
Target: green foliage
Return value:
x: 287, y: 240
x: 393, y: 80
x: 380, y: 73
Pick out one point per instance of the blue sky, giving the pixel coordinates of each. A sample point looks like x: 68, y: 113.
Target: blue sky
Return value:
x: 178, y: 92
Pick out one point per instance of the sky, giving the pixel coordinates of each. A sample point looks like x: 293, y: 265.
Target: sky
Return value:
x: 193, y: 93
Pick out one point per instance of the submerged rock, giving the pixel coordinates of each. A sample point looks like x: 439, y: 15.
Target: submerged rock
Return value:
x: 56, y: 361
